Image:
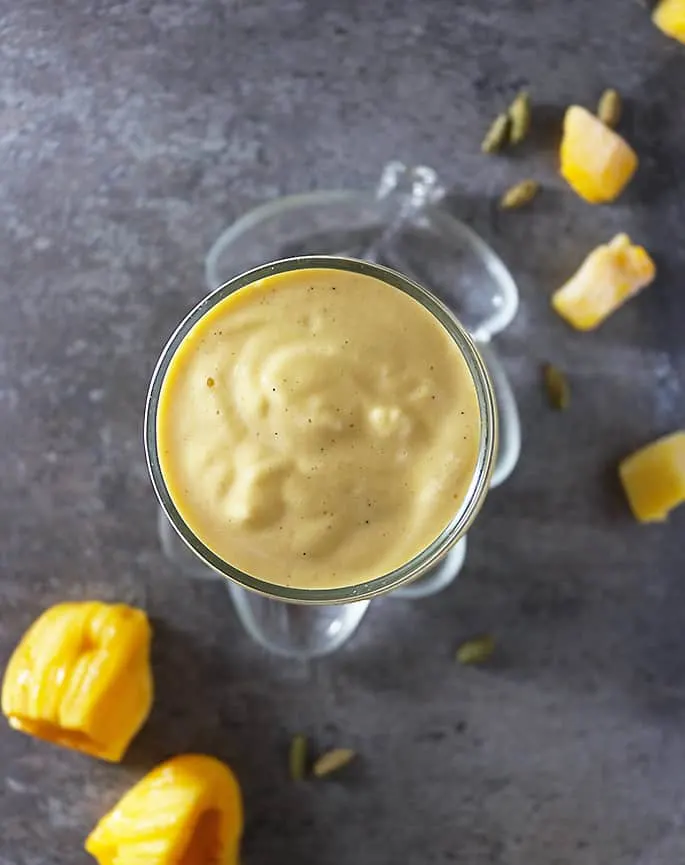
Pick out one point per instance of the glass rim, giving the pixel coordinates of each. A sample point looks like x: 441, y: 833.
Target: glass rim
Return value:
x: 469, y: 506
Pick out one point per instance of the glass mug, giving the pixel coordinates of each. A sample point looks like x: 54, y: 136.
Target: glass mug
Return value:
x: 307, y: 623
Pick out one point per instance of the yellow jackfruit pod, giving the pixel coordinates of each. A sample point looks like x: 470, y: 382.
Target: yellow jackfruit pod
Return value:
x: 595, y: 161
x: 654, y: 478
x: 188, y: 811
x: 609, y: 276
x: 81, y: 678
x: 669, y: 17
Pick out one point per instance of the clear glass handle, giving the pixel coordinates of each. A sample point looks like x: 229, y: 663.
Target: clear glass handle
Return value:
x: 421, y: 239
x: 413, y: 189
x: 419, y: 184
x: 403, y: 223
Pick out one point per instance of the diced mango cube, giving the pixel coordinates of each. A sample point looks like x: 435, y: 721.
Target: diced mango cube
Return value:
x: 80, y: 677
x: 610, y: 275
x: 654, y: 478
x: 596, y: 162
x: 188, y: 811
x: 669, y: 17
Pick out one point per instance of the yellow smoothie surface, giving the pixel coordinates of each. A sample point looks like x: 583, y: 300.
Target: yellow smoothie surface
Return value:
x: 318, y: 428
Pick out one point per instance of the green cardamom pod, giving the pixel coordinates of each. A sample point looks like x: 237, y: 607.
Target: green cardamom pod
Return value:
x: 497, y: 135
x: 332, y: 761
x: 477, y: 650
x: 610, y: 108
x: 519, y: 195
x: 298, y: 758
x: 520, y: 116
x: 556, y: 385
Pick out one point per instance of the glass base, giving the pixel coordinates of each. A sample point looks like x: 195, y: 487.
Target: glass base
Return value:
x: 300, y: 631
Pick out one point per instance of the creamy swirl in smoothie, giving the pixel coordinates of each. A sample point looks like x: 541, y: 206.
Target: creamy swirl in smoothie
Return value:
x: 318, y: 428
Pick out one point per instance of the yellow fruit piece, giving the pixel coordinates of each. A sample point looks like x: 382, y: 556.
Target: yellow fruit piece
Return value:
x: 80, y: 677
x: 596, y: 162
x: 188, y: 811
x: 654, y: 478
x: 610, y: 275
x: 669, y: 17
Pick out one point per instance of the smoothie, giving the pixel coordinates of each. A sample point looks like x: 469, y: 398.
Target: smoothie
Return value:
x: 318, y: 428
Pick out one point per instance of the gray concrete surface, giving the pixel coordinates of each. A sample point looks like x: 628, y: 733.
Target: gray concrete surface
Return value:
x: 130, y: 134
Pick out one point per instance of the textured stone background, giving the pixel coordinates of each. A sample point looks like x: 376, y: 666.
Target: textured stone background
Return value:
x: 130, y: 134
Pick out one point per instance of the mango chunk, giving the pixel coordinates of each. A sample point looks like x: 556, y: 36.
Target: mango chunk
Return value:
x: 81, y: 678
x: 609, y: 276
x: 596, y: 162
x: 188, y: 811
x: 654, y: 478
x: 669, y: 17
